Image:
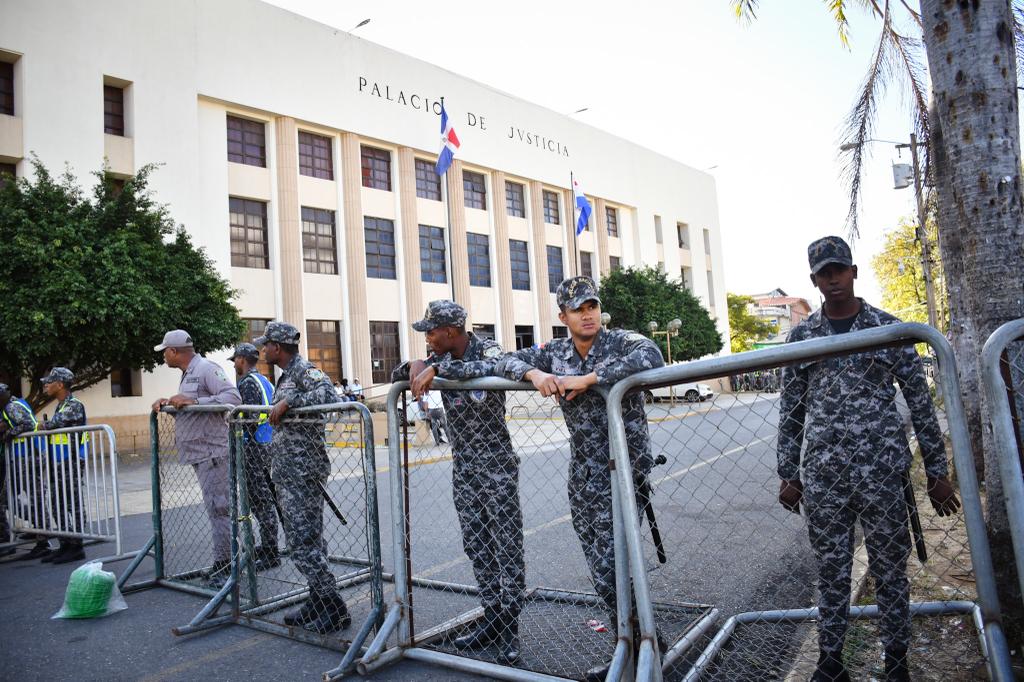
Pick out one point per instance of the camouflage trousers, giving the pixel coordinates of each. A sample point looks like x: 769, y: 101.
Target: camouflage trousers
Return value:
x: 261, y: 494
x: 486, y: 495
x: 302, y: 505
x: 5, y: 525
x: 834, y: 502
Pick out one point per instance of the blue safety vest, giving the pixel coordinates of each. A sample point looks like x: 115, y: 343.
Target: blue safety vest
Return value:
x: 20, y: 445
x: 264, y: 431
x: 60, y: 443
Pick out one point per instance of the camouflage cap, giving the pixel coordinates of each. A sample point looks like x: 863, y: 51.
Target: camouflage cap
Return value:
x: 828, y: 250
x: 4, y: 389
x: 575, y: 291
x: 278, y: 332
x: 61, y: 374
x: 442, y: 313
x: 246, y: 350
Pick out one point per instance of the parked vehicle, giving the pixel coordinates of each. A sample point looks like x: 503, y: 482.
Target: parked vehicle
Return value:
x: 691, y: 393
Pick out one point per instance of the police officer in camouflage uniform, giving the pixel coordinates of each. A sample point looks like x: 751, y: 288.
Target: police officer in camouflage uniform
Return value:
x: 842, y: 412
x: 18, y: 419
x: 485, y: 471
x: 256, y: 389
x: 566, y: 368
x: 300, y: 471
x: 67, y: 453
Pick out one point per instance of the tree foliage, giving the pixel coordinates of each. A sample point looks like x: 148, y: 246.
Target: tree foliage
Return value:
x: 745, y: 329
x: 901, y: 278
x: 636, y: 296
x: 92, y: 283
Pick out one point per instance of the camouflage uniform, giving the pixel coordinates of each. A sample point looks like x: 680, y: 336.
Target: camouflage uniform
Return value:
x: 485, y: 469
x: 301, y: 467
x: 19, y: 419
x: 257, y: 452
x: 615, y: 355
x: 842, y: 411
x: 67, y: 459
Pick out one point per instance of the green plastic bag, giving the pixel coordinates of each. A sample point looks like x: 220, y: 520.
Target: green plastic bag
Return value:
x: 92, y: 593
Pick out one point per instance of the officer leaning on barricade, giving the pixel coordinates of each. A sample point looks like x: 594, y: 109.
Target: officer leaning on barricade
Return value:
x: 67, y: 452
x: 300, y: 472
x: 256, y: 389
x: 843, y: 411
x: 485, y: 471
x: 202, y: 437
x: 566, y: 368
x: 18, y: 419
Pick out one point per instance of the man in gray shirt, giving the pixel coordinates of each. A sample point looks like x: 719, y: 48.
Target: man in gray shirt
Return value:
x: 202, y: 437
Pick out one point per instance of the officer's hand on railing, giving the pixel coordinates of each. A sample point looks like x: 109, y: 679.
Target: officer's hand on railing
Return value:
x: 577, y: 384
x: 790, y: 494
x: 943, y: 496
x: 159, y: 403
x: 275, y: 414
x: 421, y: 381
x: 546, y: 383
x: 179, y: 401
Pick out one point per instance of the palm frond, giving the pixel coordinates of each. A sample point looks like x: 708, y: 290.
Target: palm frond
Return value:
x: 838, y: 10
x: 860, y: 122
x: 915, y: 15
x: 909, y: 51
x: 745, y: 10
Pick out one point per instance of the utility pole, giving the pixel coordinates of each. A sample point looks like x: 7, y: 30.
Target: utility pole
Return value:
x: 922, y: 236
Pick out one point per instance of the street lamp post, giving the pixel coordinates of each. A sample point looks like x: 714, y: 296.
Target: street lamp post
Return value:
x: 671, y: 330
x: 606, y: 320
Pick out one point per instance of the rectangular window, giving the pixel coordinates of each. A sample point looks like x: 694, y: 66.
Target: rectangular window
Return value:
x: 615, y: 263
x: 551, y: 207
x: 559, y: 332
x: 125, y: 382
x: 555, y: 272
x: 432, y: 248
x: 657, y: 229
x: 707, y: 242
x: 611, y: 215
x: 479, y: 259
x: 383, y: 350
x: 475, y: 189
x: 515, y: 203
x: 376, y: 168
x: 254, y: 328
x: 428, y: 182
x: 380, y: 248
x: 324, y: 345
x: 683, y: 235
x: 316, y: 157
x: 484, y: 331
x: 113, y: 110
x: 247, y: 142
x: 686, y: 277
x: 8, y: 172
x: 7, y: 88
x: 711, y: 290
x: 520, y: 260
x: 248, y: 233
x: 524, y: 336
x: 586, y: 264
x: 319, y: 248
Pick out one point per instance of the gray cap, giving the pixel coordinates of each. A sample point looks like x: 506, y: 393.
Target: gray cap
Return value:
x: 575, y: 291
x: 442, y: 313
x: 828, y: 250
x: 61, y: 374
x: 245, y: 350
x: 278, y: 332
x: 176, y: 338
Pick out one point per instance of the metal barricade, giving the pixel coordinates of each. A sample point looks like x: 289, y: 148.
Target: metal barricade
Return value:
x: 63, y: 483
x: 725, y: 539
x: 492, y: 531
x: 1002, y: 362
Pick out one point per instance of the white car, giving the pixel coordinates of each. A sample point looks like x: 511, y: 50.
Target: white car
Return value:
x: 691, y: 393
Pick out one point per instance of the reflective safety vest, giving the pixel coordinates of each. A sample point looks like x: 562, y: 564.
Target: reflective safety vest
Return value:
x: 264, y: 431
x: 20, y: 445
x: 60, y: 443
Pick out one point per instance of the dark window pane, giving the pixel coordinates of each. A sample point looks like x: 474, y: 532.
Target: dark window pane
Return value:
x: 384, y: 351
x: 484, y: 331
x: 113, y: 110
x: 254, y: 329
x: 8, y: 172
x: 559, y: 332
x: 7, y: 88
x: 615, y: 263
x: 376, y: 168
x: 380, y: 249
x: 247, y: 142
x: 551, y: 208
x: 428, y: 182
x: 248, y: 226
x: 514, y: 202
x: 319, y: 250
x: 475, y: 189
x: 324, y: 346
x: 432, y: 253
x: 612, y: 218
x: 586, y: 264
x: 520, y: 262
x: 479, y: 259
x: 316, y: 157
x: 555, y: 272
x: 524, y: 336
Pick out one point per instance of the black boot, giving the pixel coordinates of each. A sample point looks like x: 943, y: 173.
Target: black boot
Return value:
x: 487, y: 630
x: 830, y: 669
x: 70, y: 550
x: 41, y: 549
x: 508, y: 638
x: 897, y: 666
x: 305, y: 614
x: 331, y: 615
x: 267, y: 557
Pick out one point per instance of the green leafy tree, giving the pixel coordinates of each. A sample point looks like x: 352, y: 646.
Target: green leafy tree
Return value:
x: 92, y: 283
x: 745, y: 329
x: 899, y: 273
x: 636, y: 296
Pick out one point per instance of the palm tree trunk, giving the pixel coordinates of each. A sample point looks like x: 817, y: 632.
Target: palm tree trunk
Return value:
x: 976, y: 159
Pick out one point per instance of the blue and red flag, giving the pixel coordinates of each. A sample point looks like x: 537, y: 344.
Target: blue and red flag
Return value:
x: 449, y: 144
x: 583, y: 206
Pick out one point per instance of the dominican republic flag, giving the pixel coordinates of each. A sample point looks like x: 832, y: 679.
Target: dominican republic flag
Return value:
x: 449, y: 144
x: 583, y: 206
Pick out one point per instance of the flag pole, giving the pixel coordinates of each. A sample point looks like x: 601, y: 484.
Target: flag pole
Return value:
x: 448, y: 231
x: 575, y: 235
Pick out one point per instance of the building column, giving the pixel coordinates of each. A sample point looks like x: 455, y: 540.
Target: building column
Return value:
x: 572, y: 241
x: 540, y: 262
x: 601, y: 225
x: 410, y: 241
x: 289, y: 226
x: 459, y: 245
x: 503, y: 278
x: 358, y: 324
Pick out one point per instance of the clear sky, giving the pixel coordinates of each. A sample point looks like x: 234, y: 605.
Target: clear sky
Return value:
x: 761, y: 105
